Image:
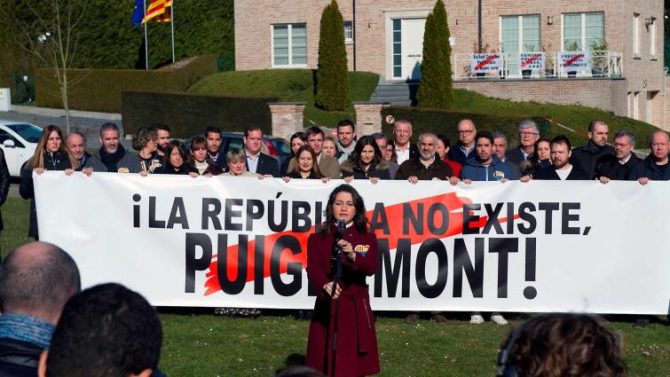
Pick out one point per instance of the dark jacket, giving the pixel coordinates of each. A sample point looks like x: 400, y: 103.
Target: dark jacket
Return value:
x: 4, y: 182
x: 414, y: 167
x: 474, y: 170
x: 610, y: 167
x: 52, y: 161
x: 587, y: 157
x: 549, y: 173
x: 129, y: 162
x: 516, y: 156
x: 456, y: 154
x: 350, y: 169
x: 184, y: 169
x: 82, y: 161
x: 649, y: 169
x: 266, y: 165
x: 18, y: 359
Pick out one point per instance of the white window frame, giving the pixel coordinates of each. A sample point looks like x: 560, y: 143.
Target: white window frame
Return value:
x: 636, y: 105
x: 652, y: 38
x: 520, y: 30
x: 290, y: 46
x: 582, y: 32
x: 636, y: 35
x: 350, y: 38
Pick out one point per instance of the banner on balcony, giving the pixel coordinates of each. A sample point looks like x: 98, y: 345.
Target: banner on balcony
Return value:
x: 482, y: 63
x: 241, y: 242
x: 531, y: 60
x: 574, y: 61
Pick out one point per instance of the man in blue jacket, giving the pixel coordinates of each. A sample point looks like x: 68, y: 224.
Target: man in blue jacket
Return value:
x: 485, y: 165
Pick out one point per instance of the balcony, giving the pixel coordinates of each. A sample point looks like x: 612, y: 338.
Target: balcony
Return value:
x: 539, y: 65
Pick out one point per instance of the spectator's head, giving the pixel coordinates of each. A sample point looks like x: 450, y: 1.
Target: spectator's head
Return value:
x: 297, y: 140
x: 598, y: 132
x: 76, y: 144
x: 329, y: 147
x: 315, y: 138
x: 528, y: 133
x: 466, y: 132
x: 147, y: 139
x: 381, y: 140
x: 561, y: 345
x: 109, y: 137
x: 306, y: 158
x: 543, y: 149
x: 37, y: 279
x: 213, y: 138
x: 105, y: 331
x: 499, y: 145
x: 163, y: 132
x: 624, y: 143
x: 253, y: 139
x: 389, y: 154
x: 561, y: 150
x: 176, y: 156
x: 237, y: 161
x: 442, y: 146
x: 659, y: 143
x: 427, y: 141
x: 484, y: 146
x: 51, y: 141
x: 366, y: 152
x: 346, y: 132
x: 402, y: 132
x: 198, y: 150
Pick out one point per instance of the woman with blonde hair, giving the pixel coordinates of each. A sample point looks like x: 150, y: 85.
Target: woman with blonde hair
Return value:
x: 50, y: 154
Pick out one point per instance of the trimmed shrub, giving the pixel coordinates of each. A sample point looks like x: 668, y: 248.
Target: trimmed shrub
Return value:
x: 435, y: 88
x: 189, y: 114
x: 331, y: 77
x: 100, y: 90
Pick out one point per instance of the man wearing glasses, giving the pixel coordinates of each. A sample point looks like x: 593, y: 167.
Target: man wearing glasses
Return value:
x: 465, y: 147
x: 528, y: 135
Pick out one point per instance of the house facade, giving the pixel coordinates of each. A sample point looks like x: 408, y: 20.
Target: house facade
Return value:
x: 621, y: 40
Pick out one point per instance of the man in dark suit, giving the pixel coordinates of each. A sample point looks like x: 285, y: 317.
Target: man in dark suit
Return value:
x: 561, y: 168
x: 258, y: 162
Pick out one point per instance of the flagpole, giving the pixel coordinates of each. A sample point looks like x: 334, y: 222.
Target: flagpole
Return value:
x: 172, y: 23
x: 146, y: 38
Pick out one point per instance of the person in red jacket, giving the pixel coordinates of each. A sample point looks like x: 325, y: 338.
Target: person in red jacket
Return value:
x: 342, y: 308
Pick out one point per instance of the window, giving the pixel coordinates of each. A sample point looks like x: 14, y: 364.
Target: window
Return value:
x: 397, y: 48
x: 348, y: 32
x: 636, y: 105
x: 289, y: 45
x: 583, y: 31
x: 520, y: 33
x: 636, y: 34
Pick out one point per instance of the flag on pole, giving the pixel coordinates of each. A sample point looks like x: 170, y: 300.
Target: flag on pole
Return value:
x: 138, y: 13
x: 159, y: 11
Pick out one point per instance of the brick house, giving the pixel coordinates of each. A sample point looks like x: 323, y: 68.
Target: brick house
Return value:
x: 386, y: 37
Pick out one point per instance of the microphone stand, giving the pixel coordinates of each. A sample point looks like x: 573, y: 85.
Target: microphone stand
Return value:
x: 336, y: 264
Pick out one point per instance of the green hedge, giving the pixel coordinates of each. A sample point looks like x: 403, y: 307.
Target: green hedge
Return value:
x: 189, y: 114
x: 100, y: 90
x: 445, y: 121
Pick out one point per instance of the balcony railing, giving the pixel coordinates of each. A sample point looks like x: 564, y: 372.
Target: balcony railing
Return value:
x: 539, y: 65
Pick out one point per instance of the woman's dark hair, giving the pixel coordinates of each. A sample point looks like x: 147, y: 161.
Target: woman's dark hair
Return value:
x: 564, y: 345
x: 537, y: 143
x: 362, y: 142
x: 172, y: 145
x: 143, y: 136
x: 197, y: 142
x: 360, y: 220
x: 315, y: 164
x: 298, y: 135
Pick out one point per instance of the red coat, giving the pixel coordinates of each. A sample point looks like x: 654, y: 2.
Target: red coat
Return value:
x: 357, y: 353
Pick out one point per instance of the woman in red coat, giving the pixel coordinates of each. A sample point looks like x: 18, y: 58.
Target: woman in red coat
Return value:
x: 356, y: 343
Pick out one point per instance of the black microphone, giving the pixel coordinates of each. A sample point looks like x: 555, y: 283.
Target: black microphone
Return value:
x: 341, y: 227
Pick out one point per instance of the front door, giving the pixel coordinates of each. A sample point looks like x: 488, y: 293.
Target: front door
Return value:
x: 408, y: 48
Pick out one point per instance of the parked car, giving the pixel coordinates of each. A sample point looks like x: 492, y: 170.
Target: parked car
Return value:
x: 18, y: 142
x: 274, y: 146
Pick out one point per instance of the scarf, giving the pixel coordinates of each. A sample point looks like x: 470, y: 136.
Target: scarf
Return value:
x: 111, y: 159
x: 26, y: 329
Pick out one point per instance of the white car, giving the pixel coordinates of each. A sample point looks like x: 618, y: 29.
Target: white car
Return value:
x: 18, y: 142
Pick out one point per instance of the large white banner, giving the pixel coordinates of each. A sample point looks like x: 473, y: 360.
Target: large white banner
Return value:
x: 240, y: 242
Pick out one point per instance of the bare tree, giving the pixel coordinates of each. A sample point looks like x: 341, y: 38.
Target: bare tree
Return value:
x: 47, y: 30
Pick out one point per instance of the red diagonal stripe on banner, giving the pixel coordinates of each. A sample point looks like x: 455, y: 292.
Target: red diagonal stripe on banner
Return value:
x: 485, y: 62
x: 530, y: 60
x: 573, y: 59
x: 395, y: 215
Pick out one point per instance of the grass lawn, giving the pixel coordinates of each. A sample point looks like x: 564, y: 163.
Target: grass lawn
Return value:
x: 289, y: 85
x: 297, y: 85
x: 198, y: 343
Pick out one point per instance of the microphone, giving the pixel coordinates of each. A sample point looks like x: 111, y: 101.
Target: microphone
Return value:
x: 341, y: 227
